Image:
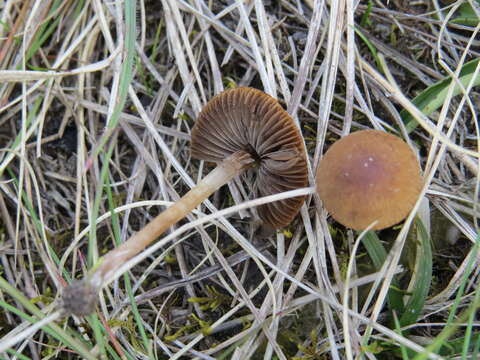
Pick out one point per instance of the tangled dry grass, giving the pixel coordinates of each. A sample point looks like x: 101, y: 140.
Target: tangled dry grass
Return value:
x: 96, y: 106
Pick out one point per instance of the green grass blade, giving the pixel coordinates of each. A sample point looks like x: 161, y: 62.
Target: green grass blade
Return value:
x: 433, y: 97
x: 126, y: 277
x: 113, y: 354
x: 469, y: 331
x: 92, y: 244
x: 466, y: 16
x: 378, y: 254
x: 43, y: 32
x: 476, y: 348
x: 126, y: 77
x: 53, y: 329
x: 423, y: 277
x: 398, y: 330
x: 17, y: 355
x: 453, y: 320
x: 98, y: 332
x: 454, y: 347
x: 441, y: 339
x: 371, y: 47
x: 365, y: 17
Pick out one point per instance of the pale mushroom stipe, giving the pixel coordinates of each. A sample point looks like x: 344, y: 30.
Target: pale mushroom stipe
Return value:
x: 240, y: 129
x: 369, y: 176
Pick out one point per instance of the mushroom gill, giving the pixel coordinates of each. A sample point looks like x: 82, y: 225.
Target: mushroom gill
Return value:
x: 246, y: 119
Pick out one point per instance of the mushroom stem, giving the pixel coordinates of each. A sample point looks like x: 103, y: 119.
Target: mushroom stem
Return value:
x: 230, y: 167
x: 80, y: 297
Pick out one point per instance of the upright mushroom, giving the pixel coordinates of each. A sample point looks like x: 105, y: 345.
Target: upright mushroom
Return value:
x: 239, y: 129
x: 369, y: 176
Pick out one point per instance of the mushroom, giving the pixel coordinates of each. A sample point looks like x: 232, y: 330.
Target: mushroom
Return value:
x: 369, y: 176
x: 239, y: 129
x: 248, y: 120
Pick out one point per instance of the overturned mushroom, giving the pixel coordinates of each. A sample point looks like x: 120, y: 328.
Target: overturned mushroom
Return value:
x: 239, y: 129
x: 369, y: 176
x: 248, y: 120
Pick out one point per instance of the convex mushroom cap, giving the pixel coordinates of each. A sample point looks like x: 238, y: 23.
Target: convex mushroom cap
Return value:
x: 247, y: 119
x: 366, y: 176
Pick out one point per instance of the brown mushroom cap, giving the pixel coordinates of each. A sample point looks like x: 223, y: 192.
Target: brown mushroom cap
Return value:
x: 366, y: 176
x: 248, y: 119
